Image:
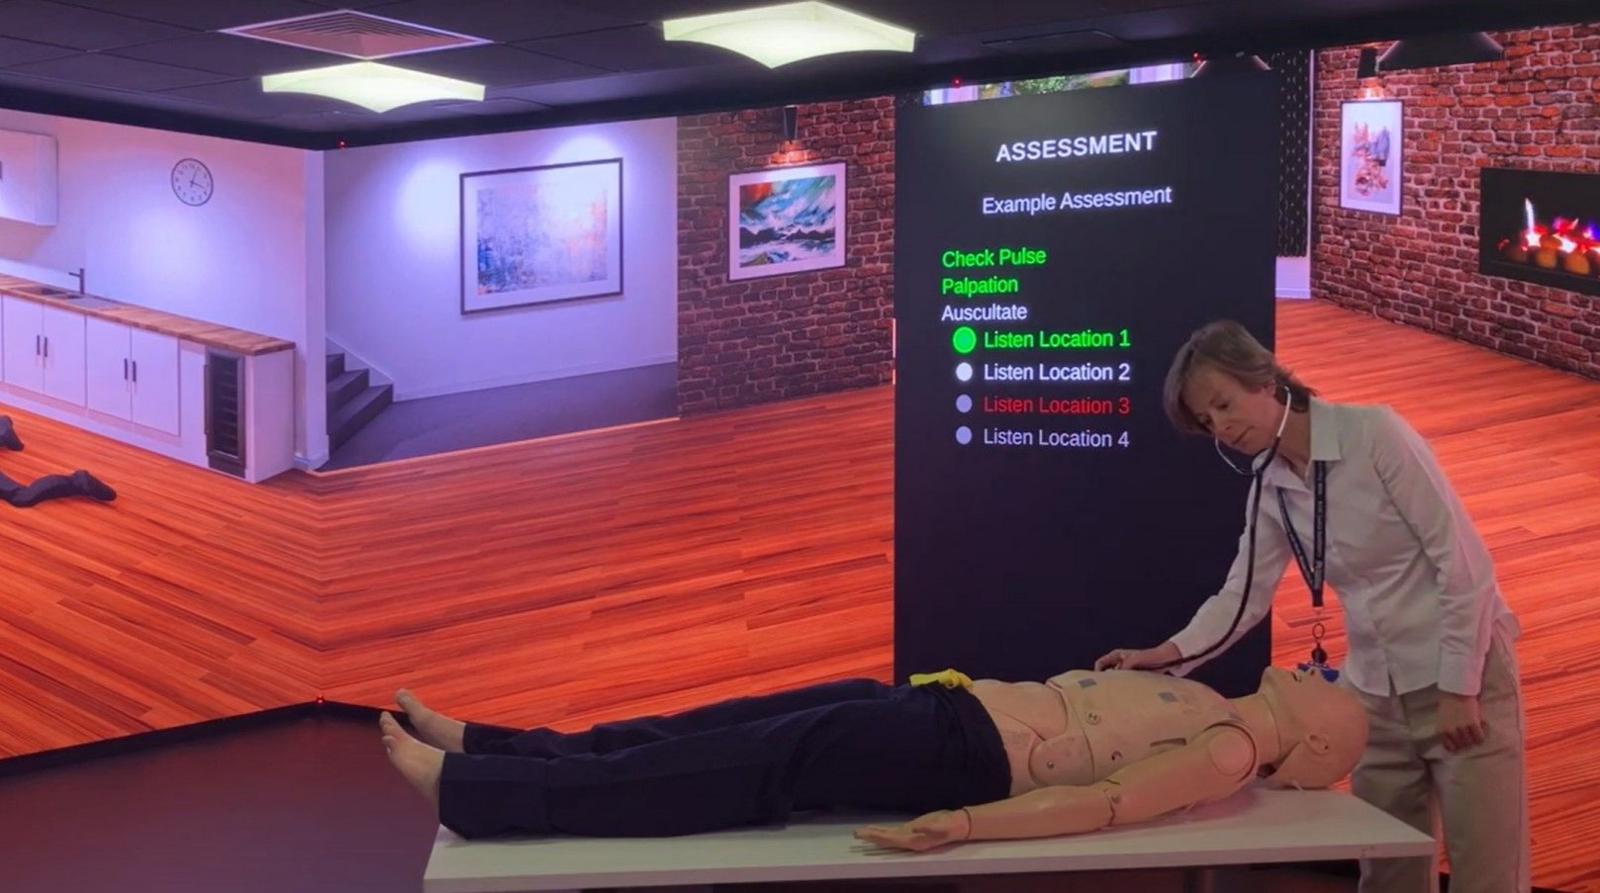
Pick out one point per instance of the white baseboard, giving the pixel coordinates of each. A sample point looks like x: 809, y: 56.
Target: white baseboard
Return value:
x: 312, y: 463
x: 1294, y: 277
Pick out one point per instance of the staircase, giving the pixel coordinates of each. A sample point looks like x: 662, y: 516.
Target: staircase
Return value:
x: 353, y: 400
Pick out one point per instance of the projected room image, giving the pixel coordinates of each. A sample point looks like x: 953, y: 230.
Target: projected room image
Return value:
x: 451, y: 448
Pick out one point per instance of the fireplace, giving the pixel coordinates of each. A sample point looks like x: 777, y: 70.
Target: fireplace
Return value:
x: 1541, y: 227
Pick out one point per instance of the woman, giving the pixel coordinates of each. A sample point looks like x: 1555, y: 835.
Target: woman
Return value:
x: 1430, y: 651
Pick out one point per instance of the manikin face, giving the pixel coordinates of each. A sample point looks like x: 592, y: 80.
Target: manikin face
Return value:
x: 1322, y: 728
x: 1274, y: 681
x: 1279, y: 678
x: 1241, y: 417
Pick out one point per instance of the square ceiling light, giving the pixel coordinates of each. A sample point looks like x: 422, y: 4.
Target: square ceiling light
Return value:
x: 372, y: 85
x: 789, y: 32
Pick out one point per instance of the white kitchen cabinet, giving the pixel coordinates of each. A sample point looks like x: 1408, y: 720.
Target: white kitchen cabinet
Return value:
x: 44, y: 349
x: 108, y: 384
x: 28, y: 177
x: 155, y: 380
x: 64, y: 355
x: 21, y: 321
x: 139, y: 376
x: 133, y: 374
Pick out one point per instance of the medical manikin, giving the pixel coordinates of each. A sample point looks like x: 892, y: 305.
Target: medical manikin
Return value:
x: 1088, y: 750
x: 983, y: 760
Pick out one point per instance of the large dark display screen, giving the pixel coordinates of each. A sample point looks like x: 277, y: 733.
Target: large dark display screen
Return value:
x: 1052, y: 253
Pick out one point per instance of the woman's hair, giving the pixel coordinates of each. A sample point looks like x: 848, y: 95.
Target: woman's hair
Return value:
x: 1227, y: 347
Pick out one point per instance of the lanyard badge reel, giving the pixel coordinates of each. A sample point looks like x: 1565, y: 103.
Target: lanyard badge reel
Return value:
x: 1313, y: 569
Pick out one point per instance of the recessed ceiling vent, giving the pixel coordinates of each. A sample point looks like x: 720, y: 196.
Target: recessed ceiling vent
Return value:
x: 356, y: 34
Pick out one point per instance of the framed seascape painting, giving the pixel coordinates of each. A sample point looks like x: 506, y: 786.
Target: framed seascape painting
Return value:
x: 1371, y: 156
x: 536, y: 234
x: 786, y: 220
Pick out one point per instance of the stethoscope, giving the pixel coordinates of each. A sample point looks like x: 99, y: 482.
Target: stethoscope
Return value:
x: 1312, y: 571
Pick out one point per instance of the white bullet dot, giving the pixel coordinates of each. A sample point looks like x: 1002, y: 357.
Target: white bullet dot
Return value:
x: 964, y: 371
x: 963, y: 435
x: 964, y: 403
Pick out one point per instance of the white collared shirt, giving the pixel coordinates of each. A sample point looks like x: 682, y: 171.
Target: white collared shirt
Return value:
x: 1414, y: 578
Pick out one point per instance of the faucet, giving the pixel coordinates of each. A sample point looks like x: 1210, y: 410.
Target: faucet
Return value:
x: 79, y: 276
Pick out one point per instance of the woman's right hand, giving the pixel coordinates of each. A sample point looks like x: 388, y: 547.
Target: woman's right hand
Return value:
x: 1137, y: 658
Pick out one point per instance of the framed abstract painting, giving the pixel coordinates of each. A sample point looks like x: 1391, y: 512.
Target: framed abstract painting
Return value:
x: 1371, y: 156
x: 532, y: 235
x: 786, y: 220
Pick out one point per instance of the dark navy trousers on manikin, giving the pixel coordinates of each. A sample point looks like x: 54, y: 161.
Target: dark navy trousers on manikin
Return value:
x: 857, y: 744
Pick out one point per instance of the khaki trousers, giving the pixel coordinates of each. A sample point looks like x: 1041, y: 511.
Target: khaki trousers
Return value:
x: 1480, y: 793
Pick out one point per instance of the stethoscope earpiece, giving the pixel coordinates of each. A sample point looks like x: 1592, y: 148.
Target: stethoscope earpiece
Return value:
x: 1277, y: 438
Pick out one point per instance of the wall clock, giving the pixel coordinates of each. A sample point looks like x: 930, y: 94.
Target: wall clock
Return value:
x: 191, y: 182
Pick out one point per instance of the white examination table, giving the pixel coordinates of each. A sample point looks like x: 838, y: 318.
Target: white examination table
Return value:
x: 1256, y: 826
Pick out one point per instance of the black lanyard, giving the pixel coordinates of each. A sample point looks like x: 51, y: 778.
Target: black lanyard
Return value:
x: 1314, y: 569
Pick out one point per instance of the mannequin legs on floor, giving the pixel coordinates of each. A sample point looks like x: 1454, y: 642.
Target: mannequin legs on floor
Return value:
x: 51, y: 486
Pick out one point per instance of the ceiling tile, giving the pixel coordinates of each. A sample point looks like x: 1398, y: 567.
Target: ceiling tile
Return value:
x: 634, y: 48
x: 17, y: 52
x: 229, y: 54
x: 248, y: 96
x: 494, y: 65
x: 203, y: 16
x: 13, y: 80
x: 350, y: 4
x: 505, y: 21
x: 79, y: 28
x: 98, y: 69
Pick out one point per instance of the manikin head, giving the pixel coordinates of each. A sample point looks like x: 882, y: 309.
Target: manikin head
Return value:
x: 1321, y: 726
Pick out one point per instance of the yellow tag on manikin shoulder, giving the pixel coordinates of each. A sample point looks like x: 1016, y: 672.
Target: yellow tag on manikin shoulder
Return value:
x: 946, y: 678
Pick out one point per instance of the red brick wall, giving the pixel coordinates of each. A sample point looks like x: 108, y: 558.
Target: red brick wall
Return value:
x: 1538, y: 109
x: 773, y: 338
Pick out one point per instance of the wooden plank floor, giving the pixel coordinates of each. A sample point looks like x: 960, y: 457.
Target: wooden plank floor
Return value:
x: 651, y: 568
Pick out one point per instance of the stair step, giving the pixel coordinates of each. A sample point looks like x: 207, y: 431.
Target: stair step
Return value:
x: 345, y: 387
x: 335, y: 365
x: 355, y: 415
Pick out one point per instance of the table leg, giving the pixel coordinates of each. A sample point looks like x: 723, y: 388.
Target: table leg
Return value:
x: 1199, y: 880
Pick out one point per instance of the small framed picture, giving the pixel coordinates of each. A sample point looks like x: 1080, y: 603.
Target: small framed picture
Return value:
x: 786, y: 220
x: 530, y: 235
x: 1371, y: 156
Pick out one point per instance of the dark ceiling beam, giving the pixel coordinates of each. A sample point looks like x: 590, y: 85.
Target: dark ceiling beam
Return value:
x: 108, y: 112
x: 887, y: 80
x: 1489, y: 16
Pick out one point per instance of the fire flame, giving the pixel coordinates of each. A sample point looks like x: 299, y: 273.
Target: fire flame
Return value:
x: 1564, y: 231
x: 1565, y: 244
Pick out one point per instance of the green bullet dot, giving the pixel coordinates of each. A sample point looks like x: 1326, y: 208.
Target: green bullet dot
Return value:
x: 964, y: 339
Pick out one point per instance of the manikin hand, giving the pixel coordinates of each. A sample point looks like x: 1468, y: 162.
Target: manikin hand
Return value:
x: 1460, y: 721
x: 922, y: 833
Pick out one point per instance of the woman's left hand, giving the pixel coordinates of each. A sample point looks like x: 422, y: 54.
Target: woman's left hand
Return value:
x: 1460, y: 721
x: 922, y: 833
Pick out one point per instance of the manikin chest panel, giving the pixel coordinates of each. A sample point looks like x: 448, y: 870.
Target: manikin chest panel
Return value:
x: 1117, y: 717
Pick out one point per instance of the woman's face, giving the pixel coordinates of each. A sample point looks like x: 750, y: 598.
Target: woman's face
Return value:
x: 1242, y: 417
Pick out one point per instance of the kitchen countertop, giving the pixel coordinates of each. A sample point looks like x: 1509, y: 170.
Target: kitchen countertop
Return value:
x: 210, y: 334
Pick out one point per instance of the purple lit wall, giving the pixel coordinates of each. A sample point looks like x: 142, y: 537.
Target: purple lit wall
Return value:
x: 242, y: 259
x: 394, y: 263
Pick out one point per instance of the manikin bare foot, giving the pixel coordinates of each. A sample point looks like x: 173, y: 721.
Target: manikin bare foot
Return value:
x: 420, y: 764
x: 432, y: 727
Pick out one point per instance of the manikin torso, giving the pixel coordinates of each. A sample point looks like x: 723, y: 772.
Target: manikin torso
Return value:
x: 1081, y: 726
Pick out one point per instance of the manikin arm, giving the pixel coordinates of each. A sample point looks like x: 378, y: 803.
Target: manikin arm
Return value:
x: 1215, y: 764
